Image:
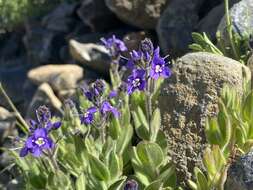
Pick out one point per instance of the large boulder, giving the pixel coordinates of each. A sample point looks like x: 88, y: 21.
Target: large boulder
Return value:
x: 177, y: 24
x: 240, y: 176
x: 60, y: 77
x: 189, y: 97
x: 241, y: 15
x: 138, y: 13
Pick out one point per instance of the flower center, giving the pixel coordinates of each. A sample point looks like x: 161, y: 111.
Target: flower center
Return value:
x: 136, y: 82
x: 40, y: 141
x: 86, y: 114
x: 158, y: 69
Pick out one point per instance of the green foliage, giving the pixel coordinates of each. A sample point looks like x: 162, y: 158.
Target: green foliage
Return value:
x: 15, y: 12
x: 229, y: 134
x: 235, y: 47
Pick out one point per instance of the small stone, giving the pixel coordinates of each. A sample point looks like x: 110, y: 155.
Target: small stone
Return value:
x: 60, y: 77
x: 240, y: 173
x: 91, y: 55
x: 44, y: 96
x: 189, y: 97
x: 138, y: 13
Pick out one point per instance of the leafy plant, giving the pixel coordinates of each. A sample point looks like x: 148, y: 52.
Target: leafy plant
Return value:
x: 94, y: 146
x: 229, y: 134
x: 236, y: 46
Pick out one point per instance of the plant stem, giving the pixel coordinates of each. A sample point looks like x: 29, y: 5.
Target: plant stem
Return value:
x: 53, y: 161
x: 230, y: 30
x: 18, y: 115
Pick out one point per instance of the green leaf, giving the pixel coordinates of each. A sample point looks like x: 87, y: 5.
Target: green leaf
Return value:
x: 201, y: 179
x: 118, y: 185
x: 98, y: 169
x: 156, y: 185
x: 248, y: 107
x: 140, y: 129
x: 115, y: 166
x: 150, y: 154
x: 155, y: 124
x: 58, y: 180
x: 192, y: 185
x: 124, y: 139
x: 80, y: 182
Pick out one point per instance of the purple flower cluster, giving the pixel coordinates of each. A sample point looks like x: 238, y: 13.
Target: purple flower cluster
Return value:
x: 114, y: 45
x: 131, y: 185
x: 39, y: 141
x: 95, y: 94
x: 145, y: 63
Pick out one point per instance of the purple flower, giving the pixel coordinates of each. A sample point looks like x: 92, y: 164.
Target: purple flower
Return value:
x: 131, y: 185
x: 44, y: 120
x: 93, y: 91
x: 147, y: 48
x: 113, y: 94
x: 158, y: 67
x: 108, y: 108
x: 136, y: 81
x: 135, y: 57
x: 114, y: 45
x: 37, y: 143
x: 88, y: 117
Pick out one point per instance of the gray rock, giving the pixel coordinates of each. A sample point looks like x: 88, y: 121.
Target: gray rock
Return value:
x: 189, y: 97
x: 95, y: 14
x: 91, y: 55
x: 44, y: 96
x: 137, y: 13
x: 7, y: 124
x: 60, y: 77
x: 43, y: 45
x: 177, y: 24
x: 61, y: 19
x: 212, y: 20
x: 240, y: 173
x: 241, y: 18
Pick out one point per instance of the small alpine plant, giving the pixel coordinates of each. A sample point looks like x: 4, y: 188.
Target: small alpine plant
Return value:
x: 110, y: 137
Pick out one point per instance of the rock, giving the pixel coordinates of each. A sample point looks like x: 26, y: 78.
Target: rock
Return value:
x: 61, y: 19
x: 137, y: 13
x: 242, y: 19
x: 133, y: 39
x: 91, y: 55
x: 7, y: 125
x: 211, y: 21
x: 60, y: 77
x: 177, y: 24
x: 43, y: 45
x: 12, y: 79
x: 44, y: 96
x: 189, y: 97
x: 240, y: 176
x: 95, y: 14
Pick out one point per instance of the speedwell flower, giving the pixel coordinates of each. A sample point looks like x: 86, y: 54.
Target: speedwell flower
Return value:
x: 114, y: 45
x: 158, y: 66
x: 108, y: 108
x: 38, y: 142
x: 135, y: 57
x: 136, y: 81
x: 131, y: 185
x: 88, y: 116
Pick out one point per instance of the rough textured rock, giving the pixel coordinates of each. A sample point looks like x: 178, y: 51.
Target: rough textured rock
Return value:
x: 60, y: 77
x: 44, y: 96
x: 133, y: 39
x: 91, y: 55
x: 176, y: 25
x: 241, y: 18
x: 188, y: 97
x: 143, y: 14
x: 95, y: 14
x: 240, y: 175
